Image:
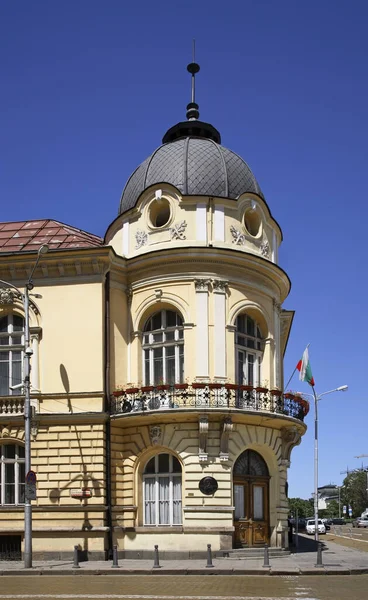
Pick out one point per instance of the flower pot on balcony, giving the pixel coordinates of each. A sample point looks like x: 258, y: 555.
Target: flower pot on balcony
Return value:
x: 231, y: 386
x: 164, y: 386
x: 276, y: 392
x: 215, y: 386
x: 133, y: 390
x: 246, y: 388
x: 198, y: 386
x: 147, y: 388
x: 117, y: 393
x: 289, y: 396
x: 261, y: 389
x: 181, y: 386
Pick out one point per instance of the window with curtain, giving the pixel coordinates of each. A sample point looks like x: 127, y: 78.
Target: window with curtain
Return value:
x: 162, y: 499
x: 249, y: 351
x: 12, y: 474
x: 11, y: 353
x: 163, y: 349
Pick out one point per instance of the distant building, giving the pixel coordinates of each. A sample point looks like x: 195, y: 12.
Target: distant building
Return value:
x: 326, y: 494
x: 157, y: 367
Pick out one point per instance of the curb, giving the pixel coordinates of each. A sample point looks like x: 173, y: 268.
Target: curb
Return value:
x: 188, y: 571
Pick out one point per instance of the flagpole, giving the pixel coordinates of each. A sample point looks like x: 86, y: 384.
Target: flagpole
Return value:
x: 293, y: 373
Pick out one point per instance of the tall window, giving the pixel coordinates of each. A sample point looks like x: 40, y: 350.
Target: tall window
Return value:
x: 249, y: 351
x: 163, y: 348
x: 11, y: 353
x: 12, y: 474
x: 162, y: 491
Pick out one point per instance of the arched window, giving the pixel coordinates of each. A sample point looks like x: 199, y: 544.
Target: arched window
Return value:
x: 162, y: 491
x: 11, y: 353
x: 249, y: 351
x: 12, y: 474
x: 163, y: 348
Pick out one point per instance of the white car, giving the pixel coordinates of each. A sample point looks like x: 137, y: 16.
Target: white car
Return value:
x: 311, y: 526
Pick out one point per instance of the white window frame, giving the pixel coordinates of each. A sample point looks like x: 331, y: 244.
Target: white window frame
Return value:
x: 9, y: 349
x: 149, y: 345
x: 17, y: 461
x: 250, y: 346
x: 157, y: 475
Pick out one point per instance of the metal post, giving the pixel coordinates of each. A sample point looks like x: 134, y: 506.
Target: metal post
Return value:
x: 316, y: 537
x: 27, y: 433
x: 266, y: 559
x: 75, y: 558
x: 115, y: 563
x: 209, y: 557
x: 156, y: 560
x: 297, y: 530
x: 319, y: 555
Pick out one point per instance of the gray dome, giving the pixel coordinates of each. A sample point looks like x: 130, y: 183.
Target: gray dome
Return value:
x: 197, y: 166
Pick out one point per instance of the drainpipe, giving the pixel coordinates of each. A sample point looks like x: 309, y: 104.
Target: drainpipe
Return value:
x: 109, y: 551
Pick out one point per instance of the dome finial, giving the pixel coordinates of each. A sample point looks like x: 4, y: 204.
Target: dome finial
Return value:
x: 192, y: 107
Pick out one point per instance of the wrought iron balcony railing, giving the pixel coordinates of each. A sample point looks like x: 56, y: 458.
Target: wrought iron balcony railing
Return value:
x: 208, y: 396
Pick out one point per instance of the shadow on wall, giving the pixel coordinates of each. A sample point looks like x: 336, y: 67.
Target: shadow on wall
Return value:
x: 84, y: 479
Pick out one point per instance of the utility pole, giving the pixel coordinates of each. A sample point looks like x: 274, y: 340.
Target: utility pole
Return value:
x: 364, y: 469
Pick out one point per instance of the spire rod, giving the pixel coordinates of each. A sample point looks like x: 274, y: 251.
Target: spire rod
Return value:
x: 192, y: 107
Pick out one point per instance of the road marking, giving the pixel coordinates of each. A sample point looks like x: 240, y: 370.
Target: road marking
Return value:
x: 145, y: 597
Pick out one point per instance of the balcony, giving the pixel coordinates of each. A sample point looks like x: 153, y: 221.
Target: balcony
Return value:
x: 11, y: 406
x: 203, y: 396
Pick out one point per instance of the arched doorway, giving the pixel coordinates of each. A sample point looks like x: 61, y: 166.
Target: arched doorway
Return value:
x: 251, y: 499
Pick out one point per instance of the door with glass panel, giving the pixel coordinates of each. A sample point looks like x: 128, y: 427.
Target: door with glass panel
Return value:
x: 251, y: 500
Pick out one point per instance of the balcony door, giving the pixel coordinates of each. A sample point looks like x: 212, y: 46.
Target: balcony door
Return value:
x: 251, y: 500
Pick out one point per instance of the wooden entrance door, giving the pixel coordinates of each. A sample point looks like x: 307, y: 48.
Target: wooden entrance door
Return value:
x: 251, y: 513
x: 251, y: 497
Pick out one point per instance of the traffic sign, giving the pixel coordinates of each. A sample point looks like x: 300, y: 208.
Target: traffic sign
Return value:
x: 31, y: 477
x: 30, y: 487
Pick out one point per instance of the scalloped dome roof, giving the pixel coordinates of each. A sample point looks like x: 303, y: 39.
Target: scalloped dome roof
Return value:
x: 197, y: 166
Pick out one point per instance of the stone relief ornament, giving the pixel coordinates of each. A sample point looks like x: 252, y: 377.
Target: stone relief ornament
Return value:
x: 219, y: 285
x: 202, y: 285
x: 178, y: 231
x: 8, y: 296
x: 155, y: 432
x: 265, y: 249
x: 141, y: 238
x: 239, y: 237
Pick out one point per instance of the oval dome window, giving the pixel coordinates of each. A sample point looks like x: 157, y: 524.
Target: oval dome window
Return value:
x: 159, y: 212
x: 252, y: 222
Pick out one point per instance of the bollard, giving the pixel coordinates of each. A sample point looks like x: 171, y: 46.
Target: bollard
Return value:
x: 156, y: 561
x: 266, y: 559
x: 319, y: 555
x: 75, y: 558
x: 115, y: 563
x: 209, y: 557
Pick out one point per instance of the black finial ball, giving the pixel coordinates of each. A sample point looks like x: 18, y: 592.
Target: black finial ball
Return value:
x: 193, y: 68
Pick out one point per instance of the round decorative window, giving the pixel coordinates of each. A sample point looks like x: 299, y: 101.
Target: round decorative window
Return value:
x: 252, y: 222
x: 159, y: 212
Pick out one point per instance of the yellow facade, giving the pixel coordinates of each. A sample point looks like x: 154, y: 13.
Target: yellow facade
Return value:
x: 104, y: 415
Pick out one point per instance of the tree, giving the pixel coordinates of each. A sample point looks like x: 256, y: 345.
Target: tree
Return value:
x: 354, y: 492
x: 304, y: 507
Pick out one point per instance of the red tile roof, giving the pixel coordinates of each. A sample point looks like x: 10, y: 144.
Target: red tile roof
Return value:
x: 30, y: 235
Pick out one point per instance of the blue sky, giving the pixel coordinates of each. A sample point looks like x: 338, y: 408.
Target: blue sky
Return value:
x: 89, y: 88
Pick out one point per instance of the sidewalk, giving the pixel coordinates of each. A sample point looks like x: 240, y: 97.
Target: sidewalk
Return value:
x: 337, y: 560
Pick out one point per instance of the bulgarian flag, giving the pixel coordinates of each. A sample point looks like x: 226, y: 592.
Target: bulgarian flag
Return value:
x: 304, y: 368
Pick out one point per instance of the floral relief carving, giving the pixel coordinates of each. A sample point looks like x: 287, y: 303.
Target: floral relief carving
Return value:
x: 238, y: 236
x: 265, y: 249
x: 155, y: 432
x: 141, y: 238
x: 220, y: 285
x: 178, y: 231
x: 202, y: 285
x: 8, y: 296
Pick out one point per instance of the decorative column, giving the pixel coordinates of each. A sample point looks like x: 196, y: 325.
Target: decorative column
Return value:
x: 219, y: 223
x: 276, y: 311
x: 35, y: 361
x: 201, y: 222
x: 203, y: 434
x: 202, y: 288
x: 129, y: 293
x: 219, y: 292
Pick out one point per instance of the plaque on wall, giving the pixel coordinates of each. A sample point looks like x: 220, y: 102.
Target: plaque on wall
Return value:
x: 208, y: 485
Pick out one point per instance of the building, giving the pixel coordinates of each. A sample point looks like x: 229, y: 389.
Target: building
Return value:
x: 157, y: 367
x: 326, y: 494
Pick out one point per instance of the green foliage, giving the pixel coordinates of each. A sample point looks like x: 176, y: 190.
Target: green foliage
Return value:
x: 354, y: 492
x: 304, y: 507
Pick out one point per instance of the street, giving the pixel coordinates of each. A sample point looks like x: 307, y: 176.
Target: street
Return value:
x: 184, y: 587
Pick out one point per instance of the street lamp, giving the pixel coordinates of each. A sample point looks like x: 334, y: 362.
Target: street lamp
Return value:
x: 341, y: 388
x: 27, y: 405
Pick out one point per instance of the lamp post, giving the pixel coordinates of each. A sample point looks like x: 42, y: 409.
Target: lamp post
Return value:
x: 316, y: 398
x: 27, y: 406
